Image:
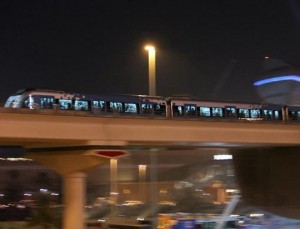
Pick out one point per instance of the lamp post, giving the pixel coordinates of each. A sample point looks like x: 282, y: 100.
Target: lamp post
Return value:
x: 142, y: 176
x: 152, y: 77
x: 113, y: 180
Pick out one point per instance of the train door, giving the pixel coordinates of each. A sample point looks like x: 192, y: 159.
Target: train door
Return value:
x: 98, y: 105
x: 81, y: 105
x: 243, y: 113
x: 255, y: 114
x: 177, y: 111
x: 153, y: 109
x: 115, y: 107
x: 146, y: 108
x: 217, y: 112
x: 160, y: 109
x: 46, y: 102
x: 190, y: 110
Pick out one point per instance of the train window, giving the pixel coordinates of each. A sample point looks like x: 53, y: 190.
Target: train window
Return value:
x: 13, y: 101
x: 27, y: 103
x: 102, y: 105
x: 267, y: 114
x: 190, y: 110
x: 99, y: 104
x: 95, y: 104
x: 255, y: 114
x: 294, y: 115
x: 244, y: 113
x: 116, y: 107
x: 230, y: 111
x: 177, y: 110
x: 205, y: 111
x: 277, y: 115
x: 159, y: 109
x: 130, y: 108
x: 217, y: 112
x: 147, y: 108
x: 81, y: 105
x: 65, y: 104
x: 46, y: 102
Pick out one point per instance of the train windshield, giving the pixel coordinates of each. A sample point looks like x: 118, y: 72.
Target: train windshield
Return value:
x: 13, y: 101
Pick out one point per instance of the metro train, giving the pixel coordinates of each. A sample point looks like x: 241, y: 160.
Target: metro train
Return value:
x: 156, y: 106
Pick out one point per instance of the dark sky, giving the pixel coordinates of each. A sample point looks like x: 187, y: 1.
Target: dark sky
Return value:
x: 210, y: 49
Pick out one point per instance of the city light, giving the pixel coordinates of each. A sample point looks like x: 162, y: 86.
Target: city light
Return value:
x: 256, y: 215
x: 15, y: 159
x: 150, y: 48
x: 142, y: 166
x: 223, y: 157
x: 277, y: 79
x: 232, y: 190
x: 54, y: 194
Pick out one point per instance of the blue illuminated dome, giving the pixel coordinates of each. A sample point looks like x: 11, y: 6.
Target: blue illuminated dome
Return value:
x: 279, y: 83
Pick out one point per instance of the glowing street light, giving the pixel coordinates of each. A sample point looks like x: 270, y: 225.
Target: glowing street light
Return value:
x: 142, y: 172
x: 151, y: 61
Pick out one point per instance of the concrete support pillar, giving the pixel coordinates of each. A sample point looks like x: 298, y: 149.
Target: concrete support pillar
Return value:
x: 71, y: 164
x: 74, y: 201
x: 269, y: 178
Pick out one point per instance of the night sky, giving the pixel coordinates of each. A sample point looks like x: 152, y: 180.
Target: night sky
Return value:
x: 211, y: 49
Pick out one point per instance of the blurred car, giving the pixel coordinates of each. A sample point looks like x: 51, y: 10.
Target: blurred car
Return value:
x: 167, y: 203
x: 132, y: 203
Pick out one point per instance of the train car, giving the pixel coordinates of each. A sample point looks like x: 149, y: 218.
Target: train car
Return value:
x: 113, y: 104
x: 195, y: 108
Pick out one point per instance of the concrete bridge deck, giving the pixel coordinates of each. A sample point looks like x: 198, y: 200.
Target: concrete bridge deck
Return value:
x: 52, y: 129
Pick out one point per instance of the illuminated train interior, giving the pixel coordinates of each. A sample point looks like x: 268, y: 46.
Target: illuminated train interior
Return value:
x: 143, y: 105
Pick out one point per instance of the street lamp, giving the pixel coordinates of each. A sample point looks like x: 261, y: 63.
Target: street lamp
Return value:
x: 113, y: 180
x: 151, y: 61
x: 142, y: 176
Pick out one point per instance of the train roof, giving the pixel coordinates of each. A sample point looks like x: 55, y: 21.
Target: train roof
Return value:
x: 84, y: 95
x: 28, y: 90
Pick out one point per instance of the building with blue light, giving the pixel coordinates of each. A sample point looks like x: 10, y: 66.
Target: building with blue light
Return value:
x: 280, y: 83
